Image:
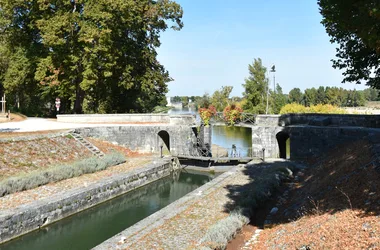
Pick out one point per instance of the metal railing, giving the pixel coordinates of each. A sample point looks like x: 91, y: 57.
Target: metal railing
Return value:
x: 219, y: 152
x: 244, y: 118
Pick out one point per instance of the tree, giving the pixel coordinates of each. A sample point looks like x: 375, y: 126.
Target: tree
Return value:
x: 99, y: 53
x: 321, y: 95
x: 354, y: 26
x: 295, y: 96
x: 203, y: 101
x: 278, y: 100
x: 256, y: 86
x: 371, y: 94
x: 220, y: 99
x: 310, y: 97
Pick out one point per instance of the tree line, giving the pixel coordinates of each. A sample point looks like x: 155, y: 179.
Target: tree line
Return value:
x: 259, y: 99
x: 96, y: 56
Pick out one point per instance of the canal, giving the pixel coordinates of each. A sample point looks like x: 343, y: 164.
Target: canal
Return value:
x: 95, y: 225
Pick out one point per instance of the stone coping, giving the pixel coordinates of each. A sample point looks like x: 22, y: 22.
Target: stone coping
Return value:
x: 32, y: 216
x: 127, y: 237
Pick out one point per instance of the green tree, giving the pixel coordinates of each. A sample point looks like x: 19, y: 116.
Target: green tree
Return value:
x: 203, y: 101
x: 321, y: 95
x: 256, y: 86
x: 99, y: 53
x: 371, y: 94
x: 310, y: 97
x: 220, y: 98
x: 333, y: 96
x: 295, y: 96
x: 354, y: 26
x: 278, y: 100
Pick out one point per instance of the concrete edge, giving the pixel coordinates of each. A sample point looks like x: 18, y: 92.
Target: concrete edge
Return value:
x: 29, y: 217
x: 127, y: 237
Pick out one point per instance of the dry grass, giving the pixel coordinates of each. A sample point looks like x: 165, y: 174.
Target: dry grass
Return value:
x: 335, y: 205
x: 23, y: 156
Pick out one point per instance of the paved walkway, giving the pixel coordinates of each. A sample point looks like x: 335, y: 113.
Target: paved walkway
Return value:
x: 40, y: 124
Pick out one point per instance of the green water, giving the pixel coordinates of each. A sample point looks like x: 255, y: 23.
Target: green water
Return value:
x: 95, y: 225
x: 241, y: 137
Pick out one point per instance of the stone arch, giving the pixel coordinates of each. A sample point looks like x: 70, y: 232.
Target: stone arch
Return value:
x: 165, y: 137
x: 283, y: 140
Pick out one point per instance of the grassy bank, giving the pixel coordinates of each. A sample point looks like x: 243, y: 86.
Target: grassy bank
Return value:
x: 57, y: 173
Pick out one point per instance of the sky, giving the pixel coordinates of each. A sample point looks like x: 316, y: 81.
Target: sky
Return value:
x: 221, y: 38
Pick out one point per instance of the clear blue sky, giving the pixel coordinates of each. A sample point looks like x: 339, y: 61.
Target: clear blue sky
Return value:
x: 221, y: 37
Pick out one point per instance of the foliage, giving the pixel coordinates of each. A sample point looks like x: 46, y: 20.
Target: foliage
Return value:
x: 218, y: 236
x: 354, y: 26
x: 232, y: 114
x: 206, y: 114
x: 58, y: 173
x: 295, y: 108
x: 256, y: 86
x: 99, y: 53
x: 220, y: 99
x: 278, y: 100
x: 295, y: 96
x: 334, y: 96
x: 203, y: 101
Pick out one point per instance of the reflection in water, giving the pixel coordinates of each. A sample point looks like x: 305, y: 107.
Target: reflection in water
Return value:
x: 93, y: 226
x: 226, y: 136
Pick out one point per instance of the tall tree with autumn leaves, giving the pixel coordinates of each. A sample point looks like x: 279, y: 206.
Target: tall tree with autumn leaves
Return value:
x: 98, y: 56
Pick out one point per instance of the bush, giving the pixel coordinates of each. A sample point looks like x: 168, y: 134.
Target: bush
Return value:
x: 293, y: 108
x: 206, y: 114
x: 232, y: 114
x: 318, y: 109
x: 58, y: 173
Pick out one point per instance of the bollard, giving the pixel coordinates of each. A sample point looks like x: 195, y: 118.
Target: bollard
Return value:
x: 264, y: 154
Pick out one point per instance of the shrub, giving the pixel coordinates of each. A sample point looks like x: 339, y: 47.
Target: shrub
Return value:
x: 57, y: 173
x: 206, y: 114
x: 319, y: 109
x: 293, y: 108
x: 232, y: 114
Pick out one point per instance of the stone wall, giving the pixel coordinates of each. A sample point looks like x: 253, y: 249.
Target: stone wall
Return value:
x: 27, y: 218
x: 144, y: 138
x: 307, y: 141
x: 312, y: 134
x: 367, y: 121
x: 138, y: 118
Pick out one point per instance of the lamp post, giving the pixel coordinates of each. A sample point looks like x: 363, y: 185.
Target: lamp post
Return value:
x: 273, y: 70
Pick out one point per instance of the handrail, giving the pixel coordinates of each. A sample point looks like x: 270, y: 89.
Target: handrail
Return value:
x: 244, y: 118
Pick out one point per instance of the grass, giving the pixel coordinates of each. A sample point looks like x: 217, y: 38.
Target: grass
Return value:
x: 339, y: 194
x: 244, y: 200
x: 57, y: 173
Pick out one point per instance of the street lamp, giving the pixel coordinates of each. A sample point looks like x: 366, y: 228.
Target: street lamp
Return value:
x: 273, y: 70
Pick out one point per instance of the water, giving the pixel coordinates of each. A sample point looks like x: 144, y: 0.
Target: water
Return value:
x: 241, y: 137
x: 225, y: 136
x: 95, y: 225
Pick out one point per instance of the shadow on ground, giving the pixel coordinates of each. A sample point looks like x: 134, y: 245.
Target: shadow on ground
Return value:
x: 345, y: 178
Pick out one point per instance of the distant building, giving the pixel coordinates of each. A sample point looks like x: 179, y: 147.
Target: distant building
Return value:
x: 177, y: 105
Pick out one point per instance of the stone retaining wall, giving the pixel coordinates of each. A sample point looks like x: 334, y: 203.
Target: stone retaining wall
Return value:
x: 145, y: 139
x: 367, y: 121
x: 26, y: 218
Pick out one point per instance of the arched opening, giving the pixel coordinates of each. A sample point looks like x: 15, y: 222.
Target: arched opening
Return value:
x: 283, y: 140
x: 164, y: 135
